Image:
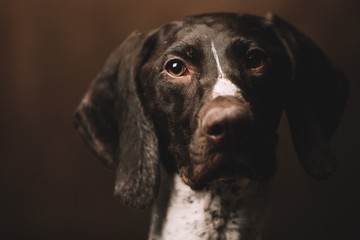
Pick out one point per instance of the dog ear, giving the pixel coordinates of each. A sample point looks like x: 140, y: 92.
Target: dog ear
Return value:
x: 112, y: 122
x: 315, y: 100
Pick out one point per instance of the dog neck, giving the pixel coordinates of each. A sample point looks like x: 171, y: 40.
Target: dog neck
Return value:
x: 221, y: 211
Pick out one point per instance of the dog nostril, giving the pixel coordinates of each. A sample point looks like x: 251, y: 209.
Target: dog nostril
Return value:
x: 225, y: 120
x: 215, y: 130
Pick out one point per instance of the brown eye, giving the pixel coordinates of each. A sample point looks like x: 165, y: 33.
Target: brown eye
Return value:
x: 255, y: 60
x: 176, y: 68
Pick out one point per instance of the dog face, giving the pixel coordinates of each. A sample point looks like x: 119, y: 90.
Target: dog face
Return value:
x: 204, y: 96
x: 215, y: 90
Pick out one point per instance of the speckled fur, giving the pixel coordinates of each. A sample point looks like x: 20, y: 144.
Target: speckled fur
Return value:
x: 221, y: 211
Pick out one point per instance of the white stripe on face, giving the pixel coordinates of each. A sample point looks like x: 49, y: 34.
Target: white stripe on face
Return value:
x: 221, y: 74
x: 223, y: 86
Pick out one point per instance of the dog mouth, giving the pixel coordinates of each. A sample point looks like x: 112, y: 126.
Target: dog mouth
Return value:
x: 225, y: 168
x: 227, y: 162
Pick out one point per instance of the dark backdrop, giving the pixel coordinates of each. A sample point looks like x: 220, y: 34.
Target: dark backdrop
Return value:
x: 51, y: 187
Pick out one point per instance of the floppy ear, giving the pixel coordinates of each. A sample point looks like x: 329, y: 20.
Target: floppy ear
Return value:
x: 315, y: 100
x: 112, y: 122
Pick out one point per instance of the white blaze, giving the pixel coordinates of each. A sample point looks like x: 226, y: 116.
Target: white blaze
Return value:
x: 223, y: 86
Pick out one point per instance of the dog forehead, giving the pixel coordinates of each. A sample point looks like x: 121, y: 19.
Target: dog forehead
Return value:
x: 222, y: 29
x: 236, y: 23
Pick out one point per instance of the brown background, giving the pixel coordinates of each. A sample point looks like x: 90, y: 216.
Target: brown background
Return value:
x: 51, y: 187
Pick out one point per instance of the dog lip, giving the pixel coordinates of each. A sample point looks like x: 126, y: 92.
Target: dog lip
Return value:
x: 187, y: 180
x: 218, y: 167
x: 196, y: 186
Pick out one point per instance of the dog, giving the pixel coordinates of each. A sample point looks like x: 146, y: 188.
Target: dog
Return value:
x: 186, y: 116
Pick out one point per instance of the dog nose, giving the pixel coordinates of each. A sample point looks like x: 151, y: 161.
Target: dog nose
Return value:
x: 225, y: 119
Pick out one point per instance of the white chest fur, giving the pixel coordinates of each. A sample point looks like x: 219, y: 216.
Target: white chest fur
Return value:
x: 220, y: 212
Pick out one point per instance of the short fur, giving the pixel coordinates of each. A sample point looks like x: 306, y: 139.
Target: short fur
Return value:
x: 153, y: 130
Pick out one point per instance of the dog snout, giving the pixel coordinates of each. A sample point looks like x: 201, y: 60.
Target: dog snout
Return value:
x: 226, y: 118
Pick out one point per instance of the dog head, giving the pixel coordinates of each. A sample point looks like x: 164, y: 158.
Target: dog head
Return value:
x: 204, y: 97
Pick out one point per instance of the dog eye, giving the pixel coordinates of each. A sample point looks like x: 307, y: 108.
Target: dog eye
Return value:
x: 176, y: 68
x: 255, y: 60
